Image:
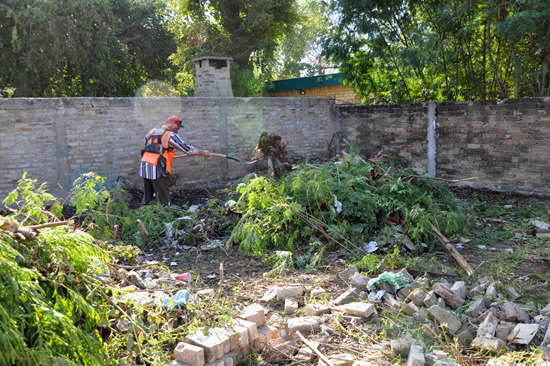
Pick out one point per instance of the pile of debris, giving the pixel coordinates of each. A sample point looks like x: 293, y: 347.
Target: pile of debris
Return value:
x: 492, y: 324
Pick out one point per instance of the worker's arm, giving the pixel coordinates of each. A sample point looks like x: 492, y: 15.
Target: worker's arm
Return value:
x: 177, y: 142
x: 204, y: 153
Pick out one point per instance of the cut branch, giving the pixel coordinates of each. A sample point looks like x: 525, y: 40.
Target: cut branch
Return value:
x: 452, y: 250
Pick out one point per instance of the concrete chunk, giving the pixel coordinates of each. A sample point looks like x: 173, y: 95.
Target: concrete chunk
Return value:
x: 492, y: 290
x: 306, y: 324
x: 523, y: 333
x: 318, y: 293
x: 290, y: 306
x: 449, y: 296
x: 514, y: 295
x: 270, y: 295
x: 488, y: 327
x: 346, y: 297
x: 493, y: 345
x: 416, y: 356
x: 503, y: 330
x: 402, y: 346
x: 410, y: 309
x: 360, y: 309
x: 445, y: 317
x: 430, y: 299
x: 459, y: 288
x: 465, y: 336
x: 546, y: 310
x: 514, y: 313
x: 476, y: 308
x: 344, y: 359
x: 417, y: 296
x: 476, y: 291
x: 359, y: 280
x: 390, y: 300
x: 254, y: 313
x: 317, y: 309
x: 189, y: 354
x: 289, y: 291
x: 348, y: 273
x: 403, y: 293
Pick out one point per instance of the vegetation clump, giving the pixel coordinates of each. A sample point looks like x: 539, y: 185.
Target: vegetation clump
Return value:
x: 349, y: 202
x: 64, y: 299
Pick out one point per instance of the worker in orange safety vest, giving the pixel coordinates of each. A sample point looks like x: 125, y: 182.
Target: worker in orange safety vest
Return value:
x: 157, y: 156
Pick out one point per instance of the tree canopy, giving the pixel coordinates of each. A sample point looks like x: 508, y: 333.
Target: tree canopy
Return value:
x: 413, y: 50
x: 247, y: 31
x: 82, y: 48
x: 392, y: 51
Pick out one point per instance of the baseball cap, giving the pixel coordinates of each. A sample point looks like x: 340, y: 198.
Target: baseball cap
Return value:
x: 173, y: 119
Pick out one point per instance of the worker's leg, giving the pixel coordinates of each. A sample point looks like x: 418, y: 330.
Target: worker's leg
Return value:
x: 148, y: 191
x: 162, y: 189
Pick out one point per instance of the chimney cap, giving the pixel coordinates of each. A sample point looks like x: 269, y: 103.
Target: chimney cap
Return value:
x: 212, y: 58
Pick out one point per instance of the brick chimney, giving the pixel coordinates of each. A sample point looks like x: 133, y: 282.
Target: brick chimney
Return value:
x: 212, y: 77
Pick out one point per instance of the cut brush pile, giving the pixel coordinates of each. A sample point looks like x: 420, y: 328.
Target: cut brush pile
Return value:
x: 349, y: 202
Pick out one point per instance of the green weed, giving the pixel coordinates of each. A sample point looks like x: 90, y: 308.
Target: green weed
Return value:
x: 342, y: 204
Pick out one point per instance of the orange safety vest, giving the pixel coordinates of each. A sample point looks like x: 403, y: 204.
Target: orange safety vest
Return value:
x: 166, y: 151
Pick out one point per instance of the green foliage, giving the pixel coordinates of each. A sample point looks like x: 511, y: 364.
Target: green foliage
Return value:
x: 46, y: 312
x: 248, y: 32
x: 299, y: 52
x: 416, y: 51
x: 82, y: 48
x: 303, y: 206
x: 101, y: 209
x: 32, y: 200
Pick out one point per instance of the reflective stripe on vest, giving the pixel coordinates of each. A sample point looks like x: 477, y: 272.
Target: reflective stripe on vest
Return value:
x: 152, y: 158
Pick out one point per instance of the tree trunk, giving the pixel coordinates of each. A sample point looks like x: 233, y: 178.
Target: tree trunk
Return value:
x: 495, y: 70
x: 516, y: 71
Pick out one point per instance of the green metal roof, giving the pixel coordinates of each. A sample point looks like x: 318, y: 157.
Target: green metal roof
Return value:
x: 305, y: 83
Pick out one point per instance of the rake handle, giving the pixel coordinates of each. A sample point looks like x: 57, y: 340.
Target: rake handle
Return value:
x: 211, y: 154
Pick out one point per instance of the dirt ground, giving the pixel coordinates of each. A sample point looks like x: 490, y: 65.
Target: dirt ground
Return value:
x: 240, y: 279
x: 247, y: 272
x: 243, y: 277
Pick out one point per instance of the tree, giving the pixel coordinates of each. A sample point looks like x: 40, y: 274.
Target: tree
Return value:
x: 300, y: 52
x: 247, y: 31
x: 412, y: 50
x: 81, y: 48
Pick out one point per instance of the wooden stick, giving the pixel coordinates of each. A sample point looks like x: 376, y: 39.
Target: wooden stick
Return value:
x: 452, y: 250
x: 317, y: 352
x: 130, y: 267
x: 51, y: 224
x: 442, y: 179
x: 229, y: 241
x: 142, y: 227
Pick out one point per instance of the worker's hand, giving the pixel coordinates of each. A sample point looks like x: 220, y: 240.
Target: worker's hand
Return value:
x: 205, y: 153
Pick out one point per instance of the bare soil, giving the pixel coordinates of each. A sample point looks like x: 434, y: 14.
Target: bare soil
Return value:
x: 241, y: 278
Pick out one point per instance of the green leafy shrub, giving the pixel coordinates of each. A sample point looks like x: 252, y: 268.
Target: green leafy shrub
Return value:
x: 47, y: 313
x: 346, y: 204
x: 101, y: 209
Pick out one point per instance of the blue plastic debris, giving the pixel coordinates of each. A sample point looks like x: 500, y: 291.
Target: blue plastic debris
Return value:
x: 180, y: 298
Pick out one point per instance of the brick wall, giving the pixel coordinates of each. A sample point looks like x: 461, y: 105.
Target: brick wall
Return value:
x: 55, y: 140
x: 504, y: 145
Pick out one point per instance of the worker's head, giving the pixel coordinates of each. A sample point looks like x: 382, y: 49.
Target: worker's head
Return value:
x: 174, y: 123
